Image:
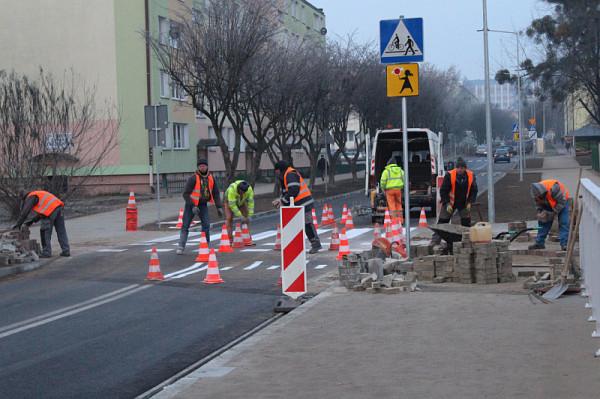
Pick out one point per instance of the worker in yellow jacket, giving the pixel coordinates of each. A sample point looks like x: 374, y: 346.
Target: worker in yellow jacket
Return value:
x: 239, y: 203
x: 392, y: 183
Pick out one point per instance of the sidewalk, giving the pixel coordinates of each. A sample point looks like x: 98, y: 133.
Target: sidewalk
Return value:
x: 458, y: 342
x: 566, y: 169
x: 108, y: 228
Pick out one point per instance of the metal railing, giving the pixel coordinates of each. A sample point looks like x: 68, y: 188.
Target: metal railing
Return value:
x: 589, y: 250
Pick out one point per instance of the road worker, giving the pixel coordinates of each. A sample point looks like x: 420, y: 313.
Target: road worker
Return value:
x: 293, y: 185
x: 199, y: 191
x: 552, y: 199
x: 49, y: 209
x: 239, y: 203
x: 458, y: 193
x: 392, y: 183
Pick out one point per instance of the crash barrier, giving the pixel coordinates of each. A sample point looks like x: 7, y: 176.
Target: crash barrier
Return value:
x: 589, y: 250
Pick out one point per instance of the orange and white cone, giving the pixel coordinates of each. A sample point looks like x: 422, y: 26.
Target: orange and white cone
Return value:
x: 212, y: 273
x: 225, y: 245
x: 180, y: 219
x: 246, y: 237
x: 325, y: 216
x: 387, y: 219
x: 349, y: 220
x: 334, y: 244
x: 238, y: 241
x: 314, y: 218
x: 278, y: 239
x: 344, y: 246
x: 376, y: 231
x: 396, y: 231
x: 154, y: 273
x: 131, y: 203
x: 331, y: 215
x: 203, y: 251
x: 344, y: 214
x: 422, y: 218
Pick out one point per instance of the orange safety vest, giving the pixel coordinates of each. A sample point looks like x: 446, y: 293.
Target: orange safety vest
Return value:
x: 47, y: 203
x: 195, y: 195
x: 304, y: 191
x: 453, y: 184
x: 549, y: 184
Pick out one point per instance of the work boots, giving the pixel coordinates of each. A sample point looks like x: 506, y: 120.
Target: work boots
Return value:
x: 315, y: 246
x: 537, y: 246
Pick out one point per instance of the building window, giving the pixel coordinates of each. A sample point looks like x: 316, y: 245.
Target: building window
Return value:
x: 165, y: 83
x: 164, y: 26
x: 200, y: 115
x: 180, y: 136
x: 177, y: 92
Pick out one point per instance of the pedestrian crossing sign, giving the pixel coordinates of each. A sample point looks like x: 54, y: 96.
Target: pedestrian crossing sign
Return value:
x: 402, y: 80
x: 401, y: 40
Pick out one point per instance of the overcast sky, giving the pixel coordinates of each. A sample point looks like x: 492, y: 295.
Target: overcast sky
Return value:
x: 450, y: 27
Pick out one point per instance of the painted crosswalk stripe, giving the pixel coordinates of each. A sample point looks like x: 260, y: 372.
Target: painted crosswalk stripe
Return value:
x: 273, y: 267
x: 357, y: 232
x: 254, y: 265
x: 264, y: 235
x: 161, y: 250
x: 198, y: 270
x: 255, y: 250
x: 187, y: 269
x: 320, y: 267
x: 224, y: 269
x: 111, y: 250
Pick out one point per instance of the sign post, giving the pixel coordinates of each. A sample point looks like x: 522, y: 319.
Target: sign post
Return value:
x: 401, y: 40
x: 156, y: 120
x: 293, y: 255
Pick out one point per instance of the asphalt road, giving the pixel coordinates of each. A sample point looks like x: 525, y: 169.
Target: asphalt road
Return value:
x: 90, y: 326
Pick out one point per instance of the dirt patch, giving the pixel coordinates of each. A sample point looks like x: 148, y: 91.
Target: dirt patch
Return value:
x: 512, y: 198
x: 534, y: 163
x: 263, y: 202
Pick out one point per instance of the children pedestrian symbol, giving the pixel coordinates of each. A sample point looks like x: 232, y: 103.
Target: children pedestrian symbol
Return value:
x: 408, y: 45
x: 406, y: 85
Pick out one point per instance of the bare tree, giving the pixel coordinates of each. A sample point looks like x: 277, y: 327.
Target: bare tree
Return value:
x: 208, y: 54
x: 54, y: 136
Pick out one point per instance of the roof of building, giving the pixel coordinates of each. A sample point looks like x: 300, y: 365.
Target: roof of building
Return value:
x: 589, y: 130
x: 308, y: 3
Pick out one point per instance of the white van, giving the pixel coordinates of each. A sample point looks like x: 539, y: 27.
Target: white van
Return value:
x: 425, y: 162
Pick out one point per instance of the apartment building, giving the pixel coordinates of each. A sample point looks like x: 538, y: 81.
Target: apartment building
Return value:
x: 502, y: 96
x: 102, y: 41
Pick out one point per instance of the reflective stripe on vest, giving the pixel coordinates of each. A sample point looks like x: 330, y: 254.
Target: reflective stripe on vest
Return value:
x: 47, y: 203
x: 453, y: 184
x: 304, y: 191
x: 549, y: 184
x: 195, y: 195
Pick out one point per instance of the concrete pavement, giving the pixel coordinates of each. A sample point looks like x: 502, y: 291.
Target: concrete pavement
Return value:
x: 456, y: 342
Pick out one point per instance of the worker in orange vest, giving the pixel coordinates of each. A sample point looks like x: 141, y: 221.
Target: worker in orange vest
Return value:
x: 199, y: 191
x: 552, y: 199
x: 458, y: 192
x: 293, y: 185
x: 49, y: 209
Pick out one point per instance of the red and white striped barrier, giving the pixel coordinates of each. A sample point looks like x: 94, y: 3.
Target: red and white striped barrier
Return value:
x: 293, y: 255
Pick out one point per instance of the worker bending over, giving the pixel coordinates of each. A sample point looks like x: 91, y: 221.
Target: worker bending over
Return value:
x: 458, y: 192
x: 551, y: 198
x: 392, y: 183
x: 239, y: 203
x: 49, y: 209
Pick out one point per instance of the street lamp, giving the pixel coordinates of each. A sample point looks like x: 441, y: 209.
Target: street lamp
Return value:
x: 488, y: 119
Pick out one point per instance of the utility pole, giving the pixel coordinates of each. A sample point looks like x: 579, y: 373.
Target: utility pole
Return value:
x: 488, y: 119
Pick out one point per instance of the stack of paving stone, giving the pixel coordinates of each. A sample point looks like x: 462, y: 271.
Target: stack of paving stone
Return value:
x: 16, y: 248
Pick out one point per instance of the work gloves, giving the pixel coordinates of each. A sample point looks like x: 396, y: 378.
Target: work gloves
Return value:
x: 468, y: 207
x: 449, y: 209
x: 545, y: 216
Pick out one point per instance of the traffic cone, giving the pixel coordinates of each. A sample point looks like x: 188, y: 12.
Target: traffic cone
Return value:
x: 180, y: 219
x: 203, y: 251
x: 349, y: 221
x: 246, y: 236
x: 238, y: 241
x: 422, y: 218
x: 225, y: 245
x: 334, y: 244
x: 314, y: 219
x: 212, y: 273
x: 344, y: 214
x: 325, y: 216
x: 331, y: 215
x: 395, y: 231
x: 344, y: 246
x: 154, y: 273
x: 387, y: 218
x: 278, y: 239
x: 376, y: 231
x: 131, y: 203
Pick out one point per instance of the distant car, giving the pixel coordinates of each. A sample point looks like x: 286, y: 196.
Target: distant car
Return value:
x: 507, y: 148
x: 481, y: 151
x: 501, y: 155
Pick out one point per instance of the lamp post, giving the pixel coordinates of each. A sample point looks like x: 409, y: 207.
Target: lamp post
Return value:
x: 488, y: 119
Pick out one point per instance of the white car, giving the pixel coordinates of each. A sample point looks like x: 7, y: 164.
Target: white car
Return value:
x: 481, y: 151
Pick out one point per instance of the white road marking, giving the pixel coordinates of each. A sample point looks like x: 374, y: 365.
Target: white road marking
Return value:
x: 170, y: 238
x: 273, y: 267
x: 264, y: 235
x: 224, y: 269
x: 161, y: 250
x: 357, y: 232
x: 320, y: 267
x: 254, y: 265
x: 182, y: 275
x: 256, y: 250
x: 111, y: 250
x: 194, y: 266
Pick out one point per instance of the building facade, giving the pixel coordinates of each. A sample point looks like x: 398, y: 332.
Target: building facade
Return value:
x: 102, y: 42
x: 501, y: 96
